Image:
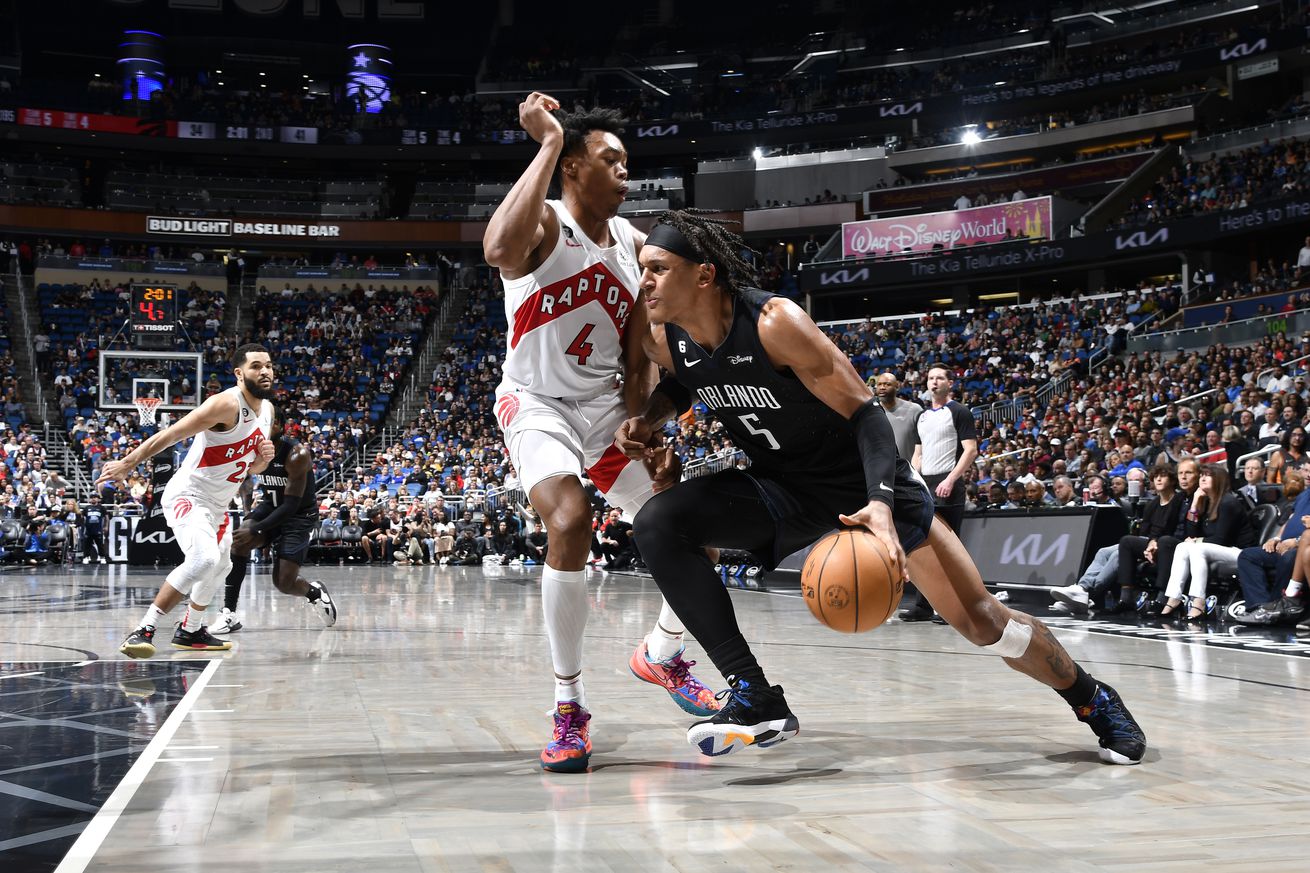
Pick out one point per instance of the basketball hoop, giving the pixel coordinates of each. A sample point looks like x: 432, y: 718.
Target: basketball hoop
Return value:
x: 147, y: 408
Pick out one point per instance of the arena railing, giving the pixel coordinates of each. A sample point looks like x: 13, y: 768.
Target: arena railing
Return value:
x: 715, y: 463
x: 187, y: 267
x: 1267, y: 370
x: 1258, y: 453
x: 981, y: 460
x: 1162, y: 407
x: 28, y: 333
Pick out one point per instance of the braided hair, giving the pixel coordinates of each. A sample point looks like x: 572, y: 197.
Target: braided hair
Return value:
x: 725, y: 249
x: 578, y: 124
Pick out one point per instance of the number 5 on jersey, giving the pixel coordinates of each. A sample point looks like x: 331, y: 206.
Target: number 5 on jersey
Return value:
x: 580, y: 348
x: 749, y: 422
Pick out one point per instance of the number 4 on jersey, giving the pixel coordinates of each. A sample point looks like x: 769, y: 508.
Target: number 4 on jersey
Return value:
x: 580, y: 348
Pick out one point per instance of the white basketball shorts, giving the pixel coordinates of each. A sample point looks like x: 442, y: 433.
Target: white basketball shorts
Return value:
x: 547, y: 437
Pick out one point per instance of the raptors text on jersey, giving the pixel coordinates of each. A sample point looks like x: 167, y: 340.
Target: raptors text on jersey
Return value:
x: 568, y: 317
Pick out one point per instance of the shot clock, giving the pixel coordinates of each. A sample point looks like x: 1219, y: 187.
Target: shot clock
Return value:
x: 154, y: 316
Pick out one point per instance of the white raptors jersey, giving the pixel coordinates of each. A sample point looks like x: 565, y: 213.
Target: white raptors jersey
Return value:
x: 218, y: 461
x: 568, y: 317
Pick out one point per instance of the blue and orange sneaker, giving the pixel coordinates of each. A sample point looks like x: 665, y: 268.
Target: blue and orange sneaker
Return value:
x: 755, y: 715
x: 570, y: 750
x: 1122, y: 739
x: 674, y: 676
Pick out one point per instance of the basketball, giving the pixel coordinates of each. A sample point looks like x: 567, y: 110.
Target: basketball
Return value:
x: 849, y: 581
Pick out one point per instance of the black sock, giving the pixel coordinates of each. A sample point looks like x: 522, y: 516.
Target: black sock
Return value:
x: 235, y: 576
x: 1081, y: 692
x: 736, y: 661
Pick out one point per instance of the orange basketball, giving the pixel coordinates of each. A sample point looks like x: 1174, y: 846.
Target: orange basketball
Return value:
x: 849, y: 582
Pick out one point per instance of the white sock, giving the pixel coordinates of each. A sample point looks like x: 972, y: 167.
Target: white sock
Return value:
x: 194, y: 619
x: 153, y: 616
x: 1293, y: 588
x: 571, y: 689
x: 564, y: 601
x: 665, y: 639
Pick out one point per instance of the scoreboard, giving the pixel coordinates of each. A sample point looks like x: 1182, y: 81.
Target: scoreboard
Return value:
x: 154, y: 316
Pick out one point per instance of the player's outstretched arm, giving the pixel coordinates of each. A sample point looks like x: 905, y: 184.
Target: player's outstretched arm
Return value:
x: 522, y: 221
x: 221, y: 409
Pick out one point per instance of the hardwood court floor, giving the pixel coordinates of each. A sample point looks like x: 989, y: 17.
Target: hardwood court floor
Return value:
x: 406, y: 738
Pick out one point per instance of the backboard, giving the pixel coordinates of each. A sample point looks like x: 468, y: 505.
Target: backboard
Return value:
x: 177, y: 378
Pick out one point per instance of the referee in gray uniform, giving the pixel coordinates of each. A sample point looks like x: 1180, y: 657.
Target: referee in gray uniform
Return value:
x: 903, y: 414
x: 948, y: 444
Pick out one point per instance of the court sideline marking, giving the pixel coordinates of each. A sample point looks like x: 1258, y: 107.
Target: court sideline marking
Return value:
x: 88, y: 842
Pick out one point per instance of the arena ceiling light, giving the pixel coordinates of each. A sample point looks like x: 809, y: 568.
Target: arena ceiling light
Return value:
x: 970, y: 137
x: 757, y: 153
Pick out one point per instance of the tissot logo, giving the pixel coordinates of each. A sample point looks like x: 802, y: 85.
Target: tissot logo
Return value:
x: 1140, y: 240
x: 1029, y: 551
x: 901, y: 109
x: 657, y: 130
x: 1242, y: 50
x: 844, y: 277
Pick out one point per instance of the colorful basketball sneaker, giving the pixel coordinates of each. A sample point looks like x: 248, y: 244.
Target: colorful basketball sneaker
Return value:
x: 755, y: 715
x: 570, y: 750
x: 674, y: 676
x: 1122, y: 740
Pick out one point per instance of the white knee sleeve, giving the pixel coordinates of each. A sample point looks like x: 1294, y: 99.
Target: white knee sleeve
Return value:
x: 202, y: 593
x: 1014, y: 640
x: 198, y: 568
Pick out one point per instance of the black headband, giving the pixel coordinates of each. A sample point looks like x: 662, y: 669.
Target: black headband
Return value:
x: 668, y: 237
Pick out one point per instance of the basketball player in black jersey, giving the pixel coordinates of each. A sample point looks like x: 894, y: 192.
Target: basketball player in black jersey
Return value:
x: 284, y: 519
x: 822, y: 454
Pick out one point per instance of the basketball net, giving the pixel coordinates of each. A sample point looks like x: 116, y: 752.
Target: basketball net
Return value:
x: 147, y: 408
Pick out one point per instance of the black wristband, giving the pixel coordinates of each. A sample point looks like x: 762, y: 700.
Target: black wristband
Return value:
x: 677, y: 393
x: 877, y: 444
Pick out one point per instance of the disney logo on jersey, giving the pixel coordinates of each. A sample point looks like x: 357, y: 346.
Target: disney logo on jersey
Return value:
x: 740, y: 359
x: 594, y: 285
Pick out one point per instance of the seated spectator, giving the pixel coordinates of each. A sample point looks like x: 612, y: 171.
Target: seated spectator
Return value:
x: 1218, y: 527
x: 1253, y: 476
x: 467, y: 551
x: 616, y: 542
x: 1158, y: 541
x: 1265, y: 569
x: 534, y: 544
x: 1065, y: 497
x: 1291, y: 455
x: 38, y: 542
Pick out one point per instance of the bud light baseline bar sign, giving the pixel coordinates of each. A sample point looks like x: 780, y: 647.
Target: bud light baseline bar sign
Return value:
x: 876, y: 237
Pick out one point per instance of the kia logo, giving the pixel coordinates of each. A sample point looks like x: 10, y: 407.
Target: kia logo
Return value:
x: 844, y: 277
x: 1242, y: 50
x: 1140, y: 240
x: 900, y: 109
x: 1028, y: 551
x: 657, y: 130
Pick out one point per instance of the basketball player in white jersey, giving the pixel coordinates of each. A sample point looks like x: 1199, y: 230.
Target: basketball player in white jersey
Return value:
x: 231, y: 442
x: 570, y: 273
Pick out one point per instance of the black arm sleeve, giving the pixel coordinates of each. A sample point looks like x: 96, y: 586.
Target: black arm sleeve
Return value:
x: 276, y: 517
x: 877, y: 444
x: 678, y: 393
